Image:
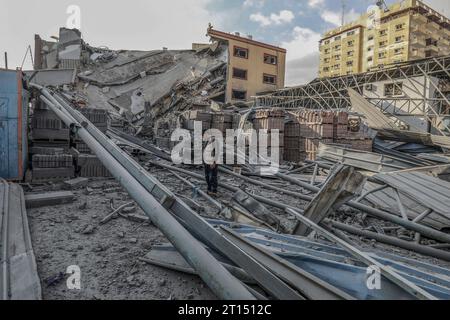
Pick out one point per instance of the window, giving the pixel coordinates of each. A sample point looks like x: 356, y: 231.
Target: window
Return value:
x: 241, y: 52
x: 370, y: 38
x: 239, y: 73
x: 269, y: 79
x: 383, y: 32
x: 337, y: 38
x: 327, y: 42
x: 349, y: 63
x: 398, y: 51
x: 393, y: 89
x: 370, y: 59
x: 326, y: 69
x: 382, y: 55
x: 239, y: 95
x: 399, y: 39
x: 337, y: 57
x: 351, y: 43
x: 399, y: 26
x: 383, y: 44
x: 338, y: 47
x: 350, y: 53
x: 351, y: 33
x: 327, y: 51
x: 270, y: 59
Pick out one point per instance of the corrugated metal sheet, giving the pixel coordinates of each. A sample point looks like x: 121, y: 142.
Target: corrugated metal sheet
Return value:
x: 363, y: 160
x: 13, y: 128
x: 431, y: 192
x: 386, y: 200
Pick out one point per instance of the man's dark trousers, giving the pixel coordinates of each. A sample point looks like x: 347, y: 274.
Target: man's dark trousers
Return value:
x: 211, y: 177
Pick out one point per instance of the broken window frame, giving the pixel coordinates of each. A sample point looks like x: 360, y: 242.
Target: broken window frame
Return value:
x: 266, y: 75
x: 270, y: 56
x: 245, y: 74
x: 234, y: 97
x: 236, y: 50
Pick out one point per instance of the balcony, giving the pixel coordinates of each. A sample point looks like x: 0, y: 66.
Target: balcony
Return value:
x: 418, y: 43
x: 419, y: 30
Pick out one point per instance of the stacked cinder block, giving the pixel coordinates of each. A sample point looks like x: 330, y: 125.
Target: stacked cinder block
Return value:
x: 52, y: 167
x: 98, y: 117
x: 89, y: 166
x: 198, y: 115
x: 293, y: 150
x: 271, y: 120
x: 222, y: 121
x: 315, y: 127
x: 47, y: 130
x: 352, y: 133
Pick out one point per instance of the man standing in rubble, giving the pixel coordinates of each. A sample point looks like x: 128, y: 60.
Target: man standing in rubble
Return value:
x: 212, y: 170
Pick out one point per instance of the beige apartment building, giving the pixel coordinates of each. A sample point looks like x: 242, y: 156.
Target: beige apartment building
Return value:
x: 253, y: 67
x: 408, y: 30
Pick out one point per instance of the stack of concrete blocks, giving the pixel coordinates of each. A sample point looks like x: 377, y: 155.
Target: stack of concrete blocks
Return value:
x: 293, y: 151
x: 315, y: 127
x: 87, y: 164
x: 357, y: 137
x: 49, y: 152
x: 271, y: 120
x: 222, y: 121
x: 48, y: 131
x: 51, y: 165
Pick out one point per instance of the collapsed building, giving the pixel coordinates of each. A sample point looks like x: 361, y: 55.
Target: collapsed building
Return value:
x: 363, y: 180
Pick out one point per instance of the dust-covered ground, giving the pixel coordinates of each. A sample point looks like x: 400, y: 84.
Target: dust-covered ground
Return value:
x: 108, y: 254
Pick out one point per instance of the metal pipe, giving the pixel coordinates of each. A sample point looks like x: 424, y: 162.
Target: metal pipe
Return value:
x: 221, y: 282
x: 6, y: 60
x: 389, y: 273
x: 423, y: 230
x: 425, y: 250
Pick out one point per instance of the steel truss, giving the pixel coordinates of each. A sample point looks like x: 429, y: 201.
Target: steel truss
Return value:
x: 331, y: 93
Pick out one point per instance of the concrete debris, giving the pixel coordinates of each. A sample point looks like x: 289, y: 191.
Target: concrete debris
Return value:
x: 33, y: 200
x: 354, y: 188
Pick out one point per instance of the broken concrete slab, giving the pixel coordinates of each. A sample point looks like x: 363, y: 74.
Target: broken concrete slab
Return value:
x: 342, y: 185
x: 76, y: 183
x: 48, y: 199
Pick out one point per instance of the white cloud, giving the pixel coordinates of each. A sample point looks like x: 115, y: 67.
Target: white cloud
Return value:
x: 253, y: 3
x: 261, y: 19
x: 335, y: 18
x: 302, y: 56
x: 316, y: 3
x: 284, y: 16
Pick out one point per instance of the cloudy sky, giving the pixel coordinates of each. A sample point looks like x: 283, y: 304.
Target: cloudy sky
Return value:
x: 151, y: 24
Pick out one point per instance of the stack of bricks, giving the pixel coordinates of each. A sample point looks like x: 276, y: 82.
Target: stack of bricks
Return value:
x: 222, y: 121
x: 351, y: 133
x: 293, y: 152
x: 271, y: 120
x: 199, y: 116
x: 315, y: 127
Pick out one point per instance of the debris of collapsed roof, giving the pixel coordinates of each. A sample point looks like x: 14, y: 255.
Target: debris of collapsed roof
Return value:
x: 353, y: 190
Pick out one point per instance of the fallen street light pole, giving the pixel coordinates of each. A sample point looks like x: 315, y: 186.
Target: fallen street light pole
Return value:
x: 221, y: 282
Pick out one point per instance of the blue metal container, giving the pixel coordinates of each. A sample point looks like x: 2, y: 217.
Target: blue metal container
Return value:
x: 13, y: 125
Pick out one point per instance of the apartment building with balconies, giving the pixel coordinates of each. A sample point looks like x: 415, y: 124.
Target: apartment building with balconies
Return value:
x: 408, y: 30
